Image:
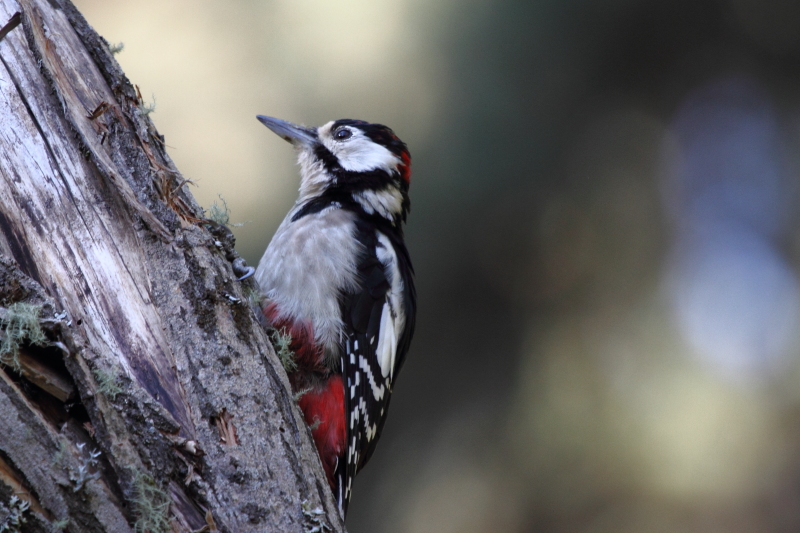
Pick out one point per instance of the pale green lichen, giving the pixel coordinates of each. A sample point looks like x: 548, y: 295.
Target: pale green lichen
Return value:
x: 116, y: 48
x: 314, y: 518
x: 151, y: 505
x: 59, y: 455
x: 221, y: 214
x: 106, y: 383
x: 59, y: 524
x: 89, y: 463
x: 299, y: 394
x: 13, y: 521
x: 145, y: 108
x: 253, y: 297
x: 281, y: 341
x: 20, y: 324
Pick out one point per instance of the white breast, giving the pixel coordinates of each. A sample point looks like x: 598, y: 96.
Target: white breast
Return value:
x: 306, y: 266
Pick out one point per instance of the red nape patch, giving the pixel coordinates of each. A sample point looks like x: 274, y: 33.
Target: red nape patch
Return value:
x: 323, y: 409
x: 307, y: 354
x: 405, y: 166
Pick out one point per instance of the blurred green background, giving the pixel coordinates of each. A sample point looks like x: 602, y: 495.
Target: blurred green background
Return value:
x: 604, y: 227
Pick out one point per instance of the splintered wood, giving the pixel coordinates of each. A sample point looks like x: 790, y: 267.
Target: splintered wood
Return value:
x: 227, y: 431
x: 151, y: 345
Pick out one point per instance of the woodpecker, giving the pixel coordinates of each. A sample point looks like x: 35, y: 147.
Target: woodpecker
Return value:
x: 337, y: 278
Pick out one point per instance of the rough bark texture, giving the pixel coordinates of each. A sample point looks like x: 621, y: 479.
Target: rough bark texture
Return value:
x: 154, y: 356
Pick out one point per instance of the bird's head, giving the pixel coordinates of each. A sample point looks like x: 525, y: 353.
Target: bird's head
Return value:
x: 351, y: 160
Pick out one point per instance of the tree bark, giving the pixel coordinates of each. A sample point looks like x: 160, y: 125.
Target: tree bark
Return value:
x: 156, y: 402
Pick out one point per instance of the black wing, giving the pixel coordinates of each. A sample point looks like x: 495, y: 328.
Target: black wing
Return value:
x: 367, y: 390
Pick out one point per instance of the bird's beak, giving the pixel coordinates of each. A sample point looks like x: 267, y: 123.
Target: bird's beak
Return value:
x: 297, y: 135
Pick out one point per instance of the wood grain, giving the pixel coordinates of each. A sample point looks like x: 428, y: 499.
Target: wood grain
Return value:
x: 156, y: 334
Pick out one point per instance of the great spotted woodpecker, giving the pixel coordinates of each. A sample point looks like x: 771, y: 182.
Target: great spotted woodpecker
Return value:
x: 337, y: 277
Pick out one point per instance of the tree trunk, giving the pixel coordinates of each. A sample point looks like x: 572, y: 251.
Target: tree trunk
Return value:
x: 154, y: 401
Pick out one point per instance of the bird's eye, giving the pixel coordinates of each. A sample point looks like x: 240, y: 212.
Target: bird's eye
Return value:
x: 342, y: 134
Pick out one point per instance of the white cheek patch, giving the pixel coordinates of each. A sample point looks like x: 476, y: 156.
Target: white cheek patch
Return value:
x: 359, y: 153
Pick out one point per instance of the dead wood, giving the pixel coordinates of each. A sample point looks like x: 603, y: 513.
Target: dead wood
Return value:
x: 138, y: 391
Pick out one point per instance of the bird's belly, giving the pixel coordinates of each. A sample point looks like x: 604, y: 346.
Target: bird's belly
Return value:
x: 306, y: 267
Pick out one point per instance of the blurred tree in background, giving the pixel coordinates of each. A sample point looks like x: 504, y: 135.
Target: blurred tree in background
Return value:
x: 604, y: 229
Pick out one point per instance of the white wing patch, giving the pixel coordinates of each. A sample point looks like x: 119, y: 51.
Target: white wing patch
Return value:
x: 387, y: 345
x: 392, y: 318
x: 371, y: 367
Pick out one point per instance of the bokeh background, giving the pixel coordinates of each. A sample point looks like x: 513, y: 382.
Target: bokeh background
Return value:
x: 604, y: 226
